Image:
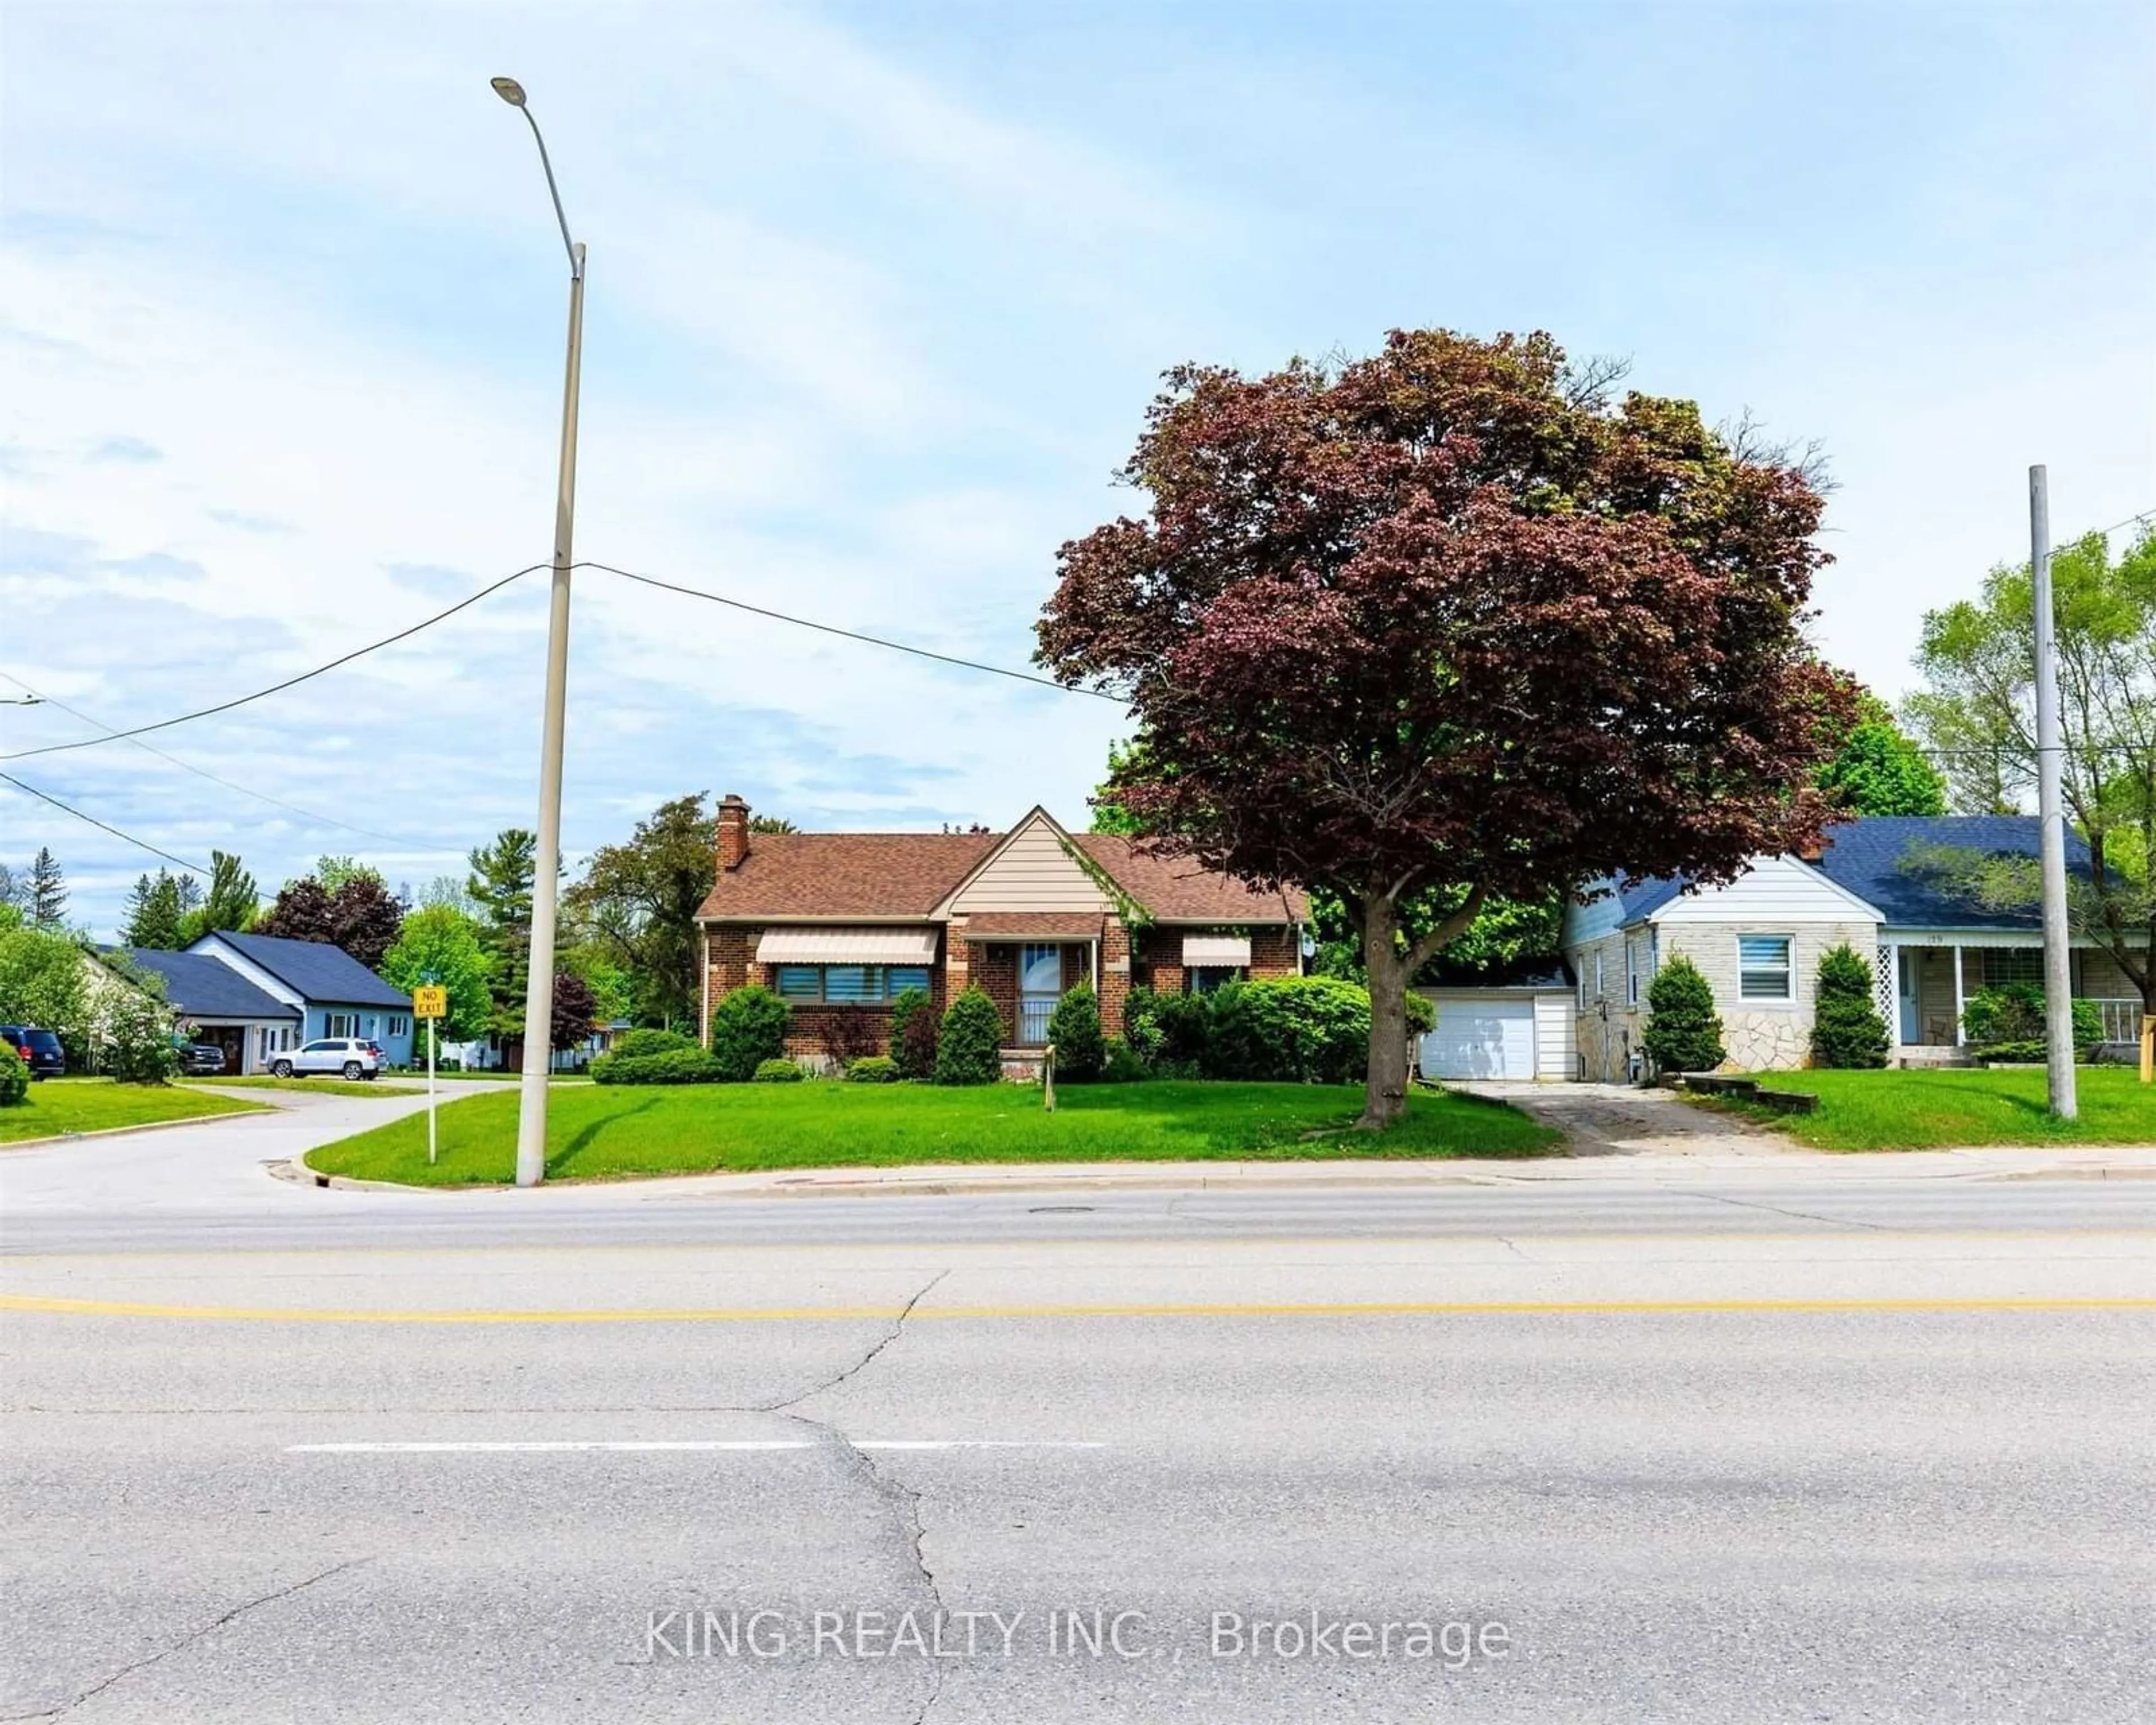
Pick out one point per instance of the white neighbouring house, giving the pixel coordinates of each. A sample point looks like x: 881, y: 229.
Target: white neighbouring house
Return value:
x: 1757, y: 941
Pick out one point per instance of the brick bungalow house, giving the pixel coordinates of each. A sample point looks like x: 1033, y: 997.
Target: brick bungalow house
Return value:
x: 839, y: 924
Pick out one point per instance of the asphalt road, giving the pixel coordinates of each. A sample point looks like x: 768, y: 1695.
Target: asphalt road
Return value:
x: 1777, y: 1447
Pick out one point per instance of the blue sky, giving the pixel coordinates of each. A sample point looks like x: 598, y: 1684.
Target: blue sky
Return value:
x: 877, y: 296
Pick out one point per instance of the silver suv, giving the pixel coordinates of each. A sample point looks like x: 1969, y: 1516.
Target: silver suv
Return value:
x: 344, y: 1055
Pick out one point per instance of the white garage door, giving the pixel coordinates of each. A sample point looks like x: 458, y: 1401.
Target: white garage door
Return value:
x: 1480, y: 1038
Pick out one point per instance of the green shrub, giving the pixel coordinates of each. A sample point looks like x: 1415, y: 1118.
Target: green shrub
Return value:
x: 1684, y: 1032
x: 967, y: 1049
x: 631, y: 1044
x: 1846, y: 1028
x: 1992, y: 1018
x: 14, y: 1078
x: 672, y: 1066
x: 1074, y: 1027
x: 913, y: 1028
x: 748, y: 1027
x: 872, y: 1069
x: 1170, y: 1033
x: 1123, y: 1064
x: 1307, y: 1030
x: 777, y: 1071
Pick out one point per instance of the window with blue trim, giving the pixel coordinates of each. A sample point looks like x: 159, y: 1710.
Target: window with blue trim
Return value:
x: 847, y: 984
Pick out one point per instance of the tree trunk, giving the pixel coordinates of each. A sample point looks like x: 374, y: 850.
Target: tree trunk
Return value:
x: 1385, y: 1085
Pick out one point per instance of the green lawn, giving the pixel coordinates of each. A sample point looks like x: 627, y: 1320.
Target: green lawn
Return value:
x: 600, y: 1131
x: 89, y: 1105
x: 317, y: 1086
x: 1942, y: 1109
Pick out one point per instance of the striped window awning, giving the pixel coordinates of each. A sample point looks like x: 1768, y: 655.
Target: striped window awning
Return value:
x: 847, y: 946
x: 1208, y: 951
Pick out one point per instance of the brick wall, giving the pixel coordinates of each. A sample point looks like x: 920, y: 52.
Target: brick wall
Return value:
x: 1274, y: 952
x: 1114, y: 976
x: 995, y: 970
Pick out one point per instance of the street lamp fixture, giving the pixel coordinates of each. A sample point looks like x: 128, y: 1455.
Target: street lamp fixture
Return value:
x: 539, y: 993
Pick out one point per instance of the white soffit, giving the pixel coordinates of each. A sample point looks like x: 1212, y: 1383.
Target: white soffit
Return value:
x: 847, y: 946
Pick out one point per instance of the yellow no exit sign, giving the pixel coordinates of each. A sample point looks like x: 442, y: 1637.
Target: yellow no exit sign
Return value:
x: 430, y: 1003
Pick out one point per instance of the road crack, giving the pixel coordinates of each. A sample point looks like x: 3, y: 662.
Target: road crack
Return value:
x: 188, y: 1641
x: 881, y: 1343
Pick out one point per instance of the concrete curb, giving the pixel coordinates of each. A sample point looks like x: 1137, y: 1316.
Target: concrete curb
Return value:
x: 988, y: 1180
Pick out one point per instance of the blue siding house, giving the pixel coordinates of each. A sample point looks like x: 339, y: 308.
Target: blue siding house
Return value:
x: 332, y: 992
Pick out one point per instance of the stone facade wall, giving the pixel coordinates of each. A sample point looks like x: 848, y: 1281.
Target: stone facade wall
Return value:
x: 1759, y: 1036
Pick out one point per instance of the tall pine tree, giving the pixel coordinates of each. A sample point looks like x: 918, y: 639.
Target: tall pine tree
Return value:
x: 48, y: 891
x: 502, y: 875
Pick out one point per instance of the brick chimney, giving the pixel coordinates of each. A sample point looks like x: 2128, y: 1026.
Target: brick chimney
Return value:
x: 733, y: 832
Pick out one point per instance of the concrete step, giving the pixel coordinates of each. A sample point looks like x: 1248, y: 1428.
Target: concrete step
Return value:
x: 1920, y: 1055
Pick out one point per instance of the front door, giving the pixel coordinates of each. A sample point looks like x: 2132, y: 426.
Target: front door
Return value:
x: 1039, y: 982
x: 1905, y: 993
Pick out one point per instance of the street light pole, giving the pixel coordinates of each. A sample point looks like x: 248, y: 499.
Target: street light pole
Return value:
x: 547, y: 864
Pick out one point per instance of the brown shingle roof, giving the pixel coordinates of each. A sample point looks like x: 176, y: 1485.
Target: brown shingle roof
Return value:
x: 908, y: 874
x: 1042, y: 925
x: 1176, y: 889
x: 846, y: 874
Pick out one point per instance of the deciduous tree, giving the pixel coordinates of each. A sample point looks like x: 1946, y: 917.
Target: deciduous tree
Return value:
x: 1978, y: 660
x: 1451, y: 617
x: 638, y: 901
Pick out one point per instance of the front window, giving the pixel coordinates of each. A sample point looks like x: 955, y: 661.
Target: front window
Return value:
x: 342, y: 1024
x: 1763, y: 968
x: 2013, y: 964
x: 847, y: 984
x: 1210, y: 978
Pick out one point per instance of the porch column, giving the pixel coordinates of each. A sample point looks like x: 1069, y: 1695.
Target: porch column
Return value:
x: 1957, y: 996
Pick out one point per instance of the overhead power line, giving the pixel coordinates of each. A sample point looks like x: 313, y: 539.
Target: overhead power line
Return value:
x: 226, y: 707
x: 31, y: 790
x: 204, y: 772
x: 849, y: 634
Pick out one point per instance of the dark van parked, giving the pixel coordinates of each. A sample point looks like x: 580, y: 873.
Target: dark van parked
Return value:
x: 40, y: 1050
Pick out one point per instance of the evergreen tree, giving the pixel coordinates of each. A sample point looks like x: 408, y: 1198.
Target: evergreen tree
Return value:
x: 138, y: 905
x: 155, y: 923
x: 232, y: 901
x: 1684, y: 1032
x: 47, y: 892
x: 1846, y: 1027
x: 502, y: 880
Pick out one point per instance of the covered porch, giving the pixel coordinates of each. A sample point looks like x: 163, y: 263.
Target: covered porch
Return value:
x: 1926, y: 979
x: 1027, y: 961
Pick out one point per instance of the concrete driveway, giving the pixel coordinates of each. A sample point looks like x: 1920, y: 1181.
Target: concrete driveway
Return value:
x: 1623, y: 1120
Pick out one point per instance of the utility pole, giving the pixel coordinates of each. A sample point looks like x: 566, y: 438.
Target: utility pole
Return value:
x: 2051, y: 814
x: 539, y: 994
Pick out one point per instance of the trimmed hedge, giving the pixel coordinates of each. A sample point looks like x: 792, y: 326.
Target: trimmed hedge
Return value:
x: 777, y: 1071
x: 748, y: 1027
x: 672, y: 1066
x: 1311, y: 1030
x: 14, y: 1078
x: 872, y: 1069
x: 1122, y: 1064
x: 968, y: 1048
x: 633, y: 1044
x: 1074, y: 1026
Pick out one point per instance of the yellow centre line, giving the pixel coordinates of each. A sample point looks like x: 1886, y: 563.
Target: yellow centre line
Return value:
x: 885, y: 1314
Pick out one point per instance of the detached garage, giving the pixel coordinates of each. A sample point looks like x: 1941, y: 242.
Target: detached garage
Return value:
x: 1509, y: 1026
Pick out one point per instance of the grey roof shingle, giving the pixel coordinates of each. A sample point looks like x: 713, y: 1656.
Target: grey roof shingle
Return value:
x: 201, y: 986
x: 316, y: 969
x: 1866, y: 857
